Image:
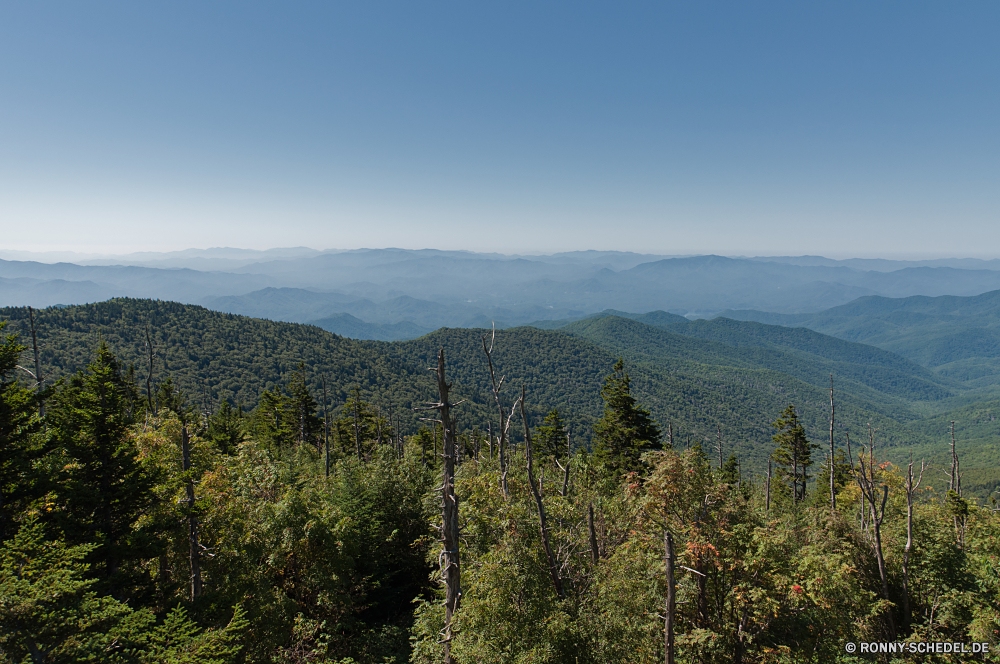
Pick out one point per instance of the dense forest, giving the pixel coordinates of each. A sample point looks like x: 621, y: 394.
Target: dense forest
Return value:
x: 178, y: 485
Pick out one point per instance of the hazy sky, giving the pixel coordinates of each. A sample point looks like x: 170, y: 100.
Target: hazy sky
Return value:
x: 836, y: 128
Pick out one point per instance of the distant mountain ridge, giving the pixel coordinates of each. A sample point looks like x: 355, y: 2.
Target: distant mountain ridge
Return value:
x: 429, y: 288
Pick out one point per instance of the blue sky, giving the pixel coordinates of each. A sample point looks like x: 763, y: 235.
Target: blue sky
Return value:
x: 842, y: 129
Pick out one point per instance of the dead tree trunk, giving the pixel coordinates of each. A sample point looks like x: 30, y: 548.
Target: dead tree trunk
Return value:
x: 833, y: 493
x: 357, y: 425
x: 38, y: 364
x: 505, y: 419
x: 451, y: 572
x: 569, y: 453
x: 326, y: 427
x: 194, y: 553
x: 537, y: 493
x: 149, y: 373
x: 767, y: 489
x: 671, y: 603
x: 911, y: 487
x: 865, y: 478
x: 718, y: 428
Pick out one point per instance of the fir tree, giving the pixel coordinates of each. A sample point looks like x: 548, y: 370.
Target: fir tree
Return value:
x: 104, y: 490
x: 19, y: 481
x: 793, y: 455
x: 626, y: 429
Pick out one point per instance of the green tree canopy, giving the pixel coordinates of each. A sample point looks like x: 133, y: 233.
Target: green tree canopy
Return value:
x: 793, y: 455
x: 626, y: 429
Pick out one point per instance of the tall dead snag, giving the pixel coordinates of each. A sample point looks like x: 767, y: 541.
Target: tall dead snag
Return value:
x: 505, y: 419
x: 326, y: 427
x: 194, y: 552
x: 536, y: 492
x: 911, y: 487
x: 767, y: 489
x: 718, y: 428
x: 149, y: 372
x: 569, y: 453
x: 671, y: 602
x: 865, y: 477
x: 833, y: 493
x: 38, y: 364
x: 357, y: 423
x: 451, y: 572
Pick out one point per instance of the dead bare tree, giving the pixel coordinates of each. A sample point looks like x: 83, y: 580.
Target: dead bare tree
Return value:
x: 505, y: 418
x: 569, y: 453
x: 537, y: 493
x: 194, y: 552
x: 149, y: 372
x: 38, y: 364
x: 867, y: 482
x: 357, y: 424
x: 451, y: 562
x: 718, y: 428
x: 833, y: 493
x: 326, y: 427
x: 911, y: 487
x: 767, y: 489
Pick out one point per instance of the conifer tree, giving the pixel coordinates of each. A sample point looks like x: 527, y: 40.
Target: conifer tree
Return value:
x: 550, y: 437
x: 104, y: 489
x: 626, y: 429
x: 19, y: 482
x: 793, y: 455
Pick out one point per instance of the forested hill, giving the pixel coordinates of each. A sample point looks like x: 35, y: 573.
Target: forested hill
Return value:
x: 956, y: 337
x: 214, y: 356
x: 698, y: 387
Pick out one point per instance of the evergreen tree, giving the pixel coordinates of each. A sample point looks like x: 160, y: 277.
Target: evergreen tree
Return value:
x: 50, y: 613
x: 626, y: 429
x: 550, y: 437
x: 301, y: 405
x: 793, y: 455
x: 226, y: 428
x: 104, y: 490
x: 19, y: 482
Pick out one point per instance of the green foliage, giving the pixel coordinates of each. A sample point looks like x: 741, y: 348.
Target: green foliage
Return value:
x: 550, y: 439
x: 20, y: 483
x: 102, y: 489
x: 50, y: 613
x: 626, y: 429
x: 793, y: 456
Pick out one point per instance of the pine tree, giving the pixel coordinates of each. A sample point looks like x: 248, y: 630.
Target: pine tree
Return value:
x: 19, y: 424
x: 104, y: 490
x: 626, y: 429
x: 550, y: 437
x: 226, y: 428
x: 793, y: 455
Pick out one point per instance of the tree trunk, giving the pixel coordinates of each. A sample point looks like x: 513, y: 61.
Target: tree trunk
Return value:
x: 767, y: 489
x: 594, y: 553
x: 357, y: 426
x: 877, y: 523
x: 38, y: 364
x: 449, y: 512
x: 668, y: 619
x: 911, y: 488
x: 194, y: 553
x: 326, y: 428
x: 833, y: 494
x: 537, y: 493
x: 149, y: 373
